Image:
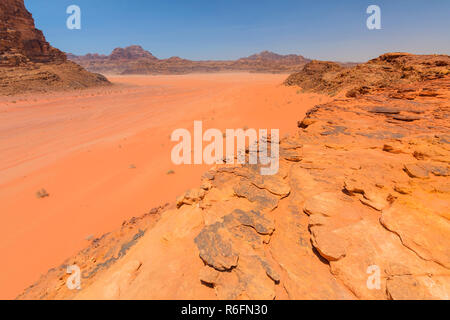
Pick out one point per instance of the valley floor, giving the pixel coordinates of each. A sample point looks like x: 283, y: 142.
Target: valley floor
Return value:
x: 103, y: 156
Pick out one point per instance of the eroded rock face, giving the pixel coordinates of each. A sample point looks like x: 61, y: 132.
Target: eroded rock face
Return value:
x: 377, y: 74
x: 130, y: 53
x: 28, y: 62
x: 357, y: 210
x: 100, y: 255
x: 20, y: 41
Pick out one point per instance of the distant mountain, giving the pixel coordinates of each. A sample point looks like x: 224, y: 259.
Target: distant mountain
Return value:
x: 136, y: 60
x: 271, y: 56
x: 131, y: 53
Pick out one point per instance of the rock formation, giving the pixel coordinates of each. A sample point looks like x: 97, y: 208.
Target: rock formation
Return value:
x: 358, y: 210
x: 377, y: 74
x: 135, y: 60
x: 28, y: 62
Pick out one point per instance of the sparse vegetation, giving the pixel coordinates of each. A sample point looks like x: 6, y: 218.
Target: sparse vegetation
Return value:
x: 42, y: 193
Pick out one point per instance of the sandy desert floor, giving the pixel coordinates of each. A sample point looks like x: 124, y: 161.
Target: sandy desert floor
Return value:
x: 103, y: 156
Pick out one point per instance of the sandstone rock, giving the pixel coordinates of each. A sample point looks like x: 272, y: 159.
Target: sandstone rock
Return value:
x: 382, y: 72
x: 417, y: 288
x: 330, y: 246
x: 209, y: 275
x: 376, y: 199
x: 262, y: 198
x: 431, y: 240
x: 403, y: 189
x: 323, y: 204
x: 385, y: 110
x: 407, y: 118
x: 215, y: 248
x: 29, y: 63
x: 191, y: 196
x: 416, y: 171
x: 305, y: 123
x: 21, y: 39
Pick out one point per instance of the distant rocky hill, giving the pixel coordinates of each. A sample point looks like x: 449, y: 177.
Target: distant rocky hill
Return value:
x: 377, y: 74
x: 28, y: 62
x: 136, y: 60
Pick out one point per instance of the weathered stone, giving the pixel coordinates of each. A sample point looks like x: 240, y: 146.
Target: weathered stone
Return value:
x: 29, y: 63
x: 291, y: 155
x: 262, y: 197
x: 330, y: 246
x: 406, y: 118
x: 255, y: 220
x: 209, y: 275
x: 215, y: 248
x: 190, y: 197
x: 421, y: 287
x: 364, y: 216
x: 384, y: 110
x: 415, y: 171
x: 421, y: 230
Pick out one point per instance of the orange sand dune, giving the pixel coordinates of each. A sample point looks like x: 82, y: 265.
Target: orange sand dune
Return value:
x: 103, y: 155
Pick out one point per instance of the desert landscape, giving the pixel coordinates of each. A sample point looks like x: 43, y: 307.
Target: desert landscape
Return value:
x: 108, y: 151
x: 87, y: 179
x: 136, y: 60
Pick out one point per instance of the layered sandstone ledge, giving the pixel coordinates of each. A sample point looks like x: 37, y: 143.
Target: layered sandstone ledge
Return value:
x: 364, y: 185
x: 28, y: 63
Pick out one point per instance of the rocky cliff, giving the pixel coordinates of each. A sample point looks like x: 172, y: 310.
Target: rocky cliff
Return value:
x: 385, y: 71
x: 358, y: 210
x: 21, y: 42
x: 28, y: 62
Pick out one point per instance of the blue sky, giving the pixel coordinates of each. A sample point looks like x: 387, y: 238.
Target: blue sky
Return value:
x: 230, y: 29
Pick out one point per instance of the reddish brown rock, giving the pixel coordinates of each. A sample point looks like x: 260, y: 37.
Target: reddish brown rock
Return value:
x: 416, y: 171
x: 20, y: 41
x: 28, y: 62
x: 420, y: 229
x: 377, y: 74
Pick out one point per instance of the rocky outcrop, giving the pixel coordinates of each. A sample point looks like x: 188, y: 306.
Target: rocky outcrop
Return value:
x: 101, y: 254
x: 357, y: 210
x: 377, y: 74
x: 135, y: 60
x: 20, y: 41
x: 28, y: 62
x: 314, y: 74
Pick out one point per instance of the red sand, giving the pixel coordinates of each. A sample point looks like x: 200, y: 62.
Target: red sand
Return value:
x: 81, y: 147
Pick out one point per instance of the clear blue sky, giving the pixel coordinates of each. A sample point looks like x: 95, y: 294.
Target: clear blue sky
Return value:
x: 229, y: 29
